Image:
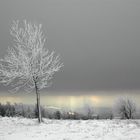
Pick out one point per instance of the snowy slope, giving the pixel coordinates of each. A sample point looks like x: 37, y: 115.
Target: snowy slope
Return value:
x: 29, y: 129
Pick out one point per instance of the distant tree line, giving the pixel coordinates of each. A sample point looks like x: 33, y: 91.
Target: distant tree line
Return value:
x: 124, y: 109
x: 22, y: 110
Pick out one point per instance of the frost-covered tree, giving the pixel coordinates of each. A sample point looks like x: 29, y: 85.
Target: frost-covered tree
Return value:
x: 126, y: 108
x: 28, y: 64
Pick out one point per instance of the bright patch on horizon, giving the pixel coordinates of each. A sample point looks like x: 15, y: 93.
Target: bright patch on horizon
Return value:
x: 95, y: 99
x: 70, y: 101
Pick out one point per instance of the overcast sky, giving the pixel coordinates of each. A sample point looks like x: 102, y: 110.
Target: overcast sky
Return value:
x: 99, y: 40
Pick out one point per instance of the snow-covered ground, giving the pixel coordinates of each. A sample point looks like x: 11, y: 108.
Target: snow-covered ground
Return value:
x: 29, y: 129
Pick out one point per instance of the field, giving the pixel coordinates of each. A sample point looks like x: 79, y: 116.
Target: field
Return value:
x: 29, y: 129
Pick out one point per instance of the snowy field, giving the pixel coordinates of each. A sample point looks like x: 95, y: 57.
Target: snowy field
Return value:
x: 29, y: 129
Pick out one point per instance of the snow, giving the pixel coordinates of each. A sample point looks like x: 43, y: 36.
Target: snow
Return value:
x: 29, y: 129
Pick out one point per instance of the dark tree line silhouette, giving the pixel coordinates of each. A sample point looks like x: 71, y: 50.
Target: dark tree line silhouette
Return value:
x: 125, y: 109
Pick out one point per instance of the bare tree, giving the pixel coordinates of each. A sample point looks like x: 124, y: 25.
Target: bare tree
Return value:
x: 126, y: 108
x: 89, y: 110
x: 28, y: 65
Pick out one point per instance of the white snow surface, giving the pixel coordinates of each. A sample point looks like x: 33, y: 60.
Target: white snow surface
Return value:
x: 29, y: 129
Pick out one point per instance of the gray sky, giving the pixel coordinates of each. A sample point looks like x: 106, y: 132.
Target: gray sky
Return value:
x: 99, y: 40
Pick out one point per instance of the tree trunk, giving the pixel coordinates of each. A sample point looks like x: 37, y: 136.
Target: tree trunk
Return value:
x: 38, y: 103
